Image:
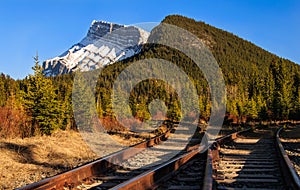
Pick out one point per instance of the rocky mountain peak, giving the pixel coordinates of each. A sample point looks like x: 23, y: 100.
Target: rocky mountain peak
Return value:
x: 104, y: 43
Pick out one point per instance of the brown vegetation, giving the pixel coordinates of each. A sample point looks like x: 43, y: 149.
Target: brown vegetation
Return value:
x: 24, y: 161
x: 14, y: 122
x: 27, y: 160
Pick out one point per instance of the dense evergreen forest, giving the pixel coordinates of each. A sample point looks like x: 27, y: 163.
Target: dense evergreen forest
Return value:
x: 35, y: 105
x: 259, y: 84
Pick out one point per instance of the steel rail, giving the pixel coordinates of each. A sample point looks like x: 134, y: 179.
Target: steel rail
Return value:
x: 151, y: 178
x: 73, y: 177
x: 289, y: 171
x: 213, y: 156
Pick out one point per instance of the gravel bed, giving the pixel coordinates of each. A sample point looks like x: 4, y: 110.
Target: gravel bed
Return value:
x: 159, y: 153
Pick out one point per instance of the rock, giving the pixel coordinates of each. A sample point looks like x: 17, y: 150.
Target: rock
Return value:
x: 104, y: 44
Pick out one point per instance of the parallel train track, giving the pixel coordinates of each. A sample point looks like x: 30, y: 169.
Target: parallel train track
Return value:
x: 75, y: 177
x: 250, y: 161
x: 253, y: 160
x: 243, y: 160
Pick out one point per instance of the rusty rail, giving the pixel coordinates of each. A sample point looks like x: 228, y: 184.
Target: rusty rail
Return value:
x: 213, y: 156
x: 147, y: 180
x: 73, y: 177
x: 151, y: 179
x: 288, y: 169
x: 208, y: 179
x: 289, y: 172
x: 231, y: 136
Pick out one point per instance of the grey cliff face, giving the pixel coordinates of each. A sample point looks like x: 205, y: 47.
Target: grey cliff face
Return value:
x: 104, y: 44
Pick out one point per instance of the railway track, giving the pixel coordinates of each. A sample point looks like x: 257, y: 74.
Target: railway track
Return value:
x: 139, y: 163
x: 290, y: 171
x: 243, y: 160
x: 187, y: 171
x: 290, y: 139
x: 253, y: 160
x: 250, y: 161
x: 75, y: 177
x: 190, y: 176
x: 120, y: 166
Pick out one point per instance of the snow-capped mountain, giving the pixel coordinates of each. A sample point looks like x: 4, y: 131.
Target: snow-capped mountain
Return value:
x: 105, y: 43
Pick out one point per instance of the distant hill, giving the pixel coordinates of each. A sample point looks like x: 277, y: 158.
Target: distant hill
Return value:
x: 260, y: 85
x: 236, y: 56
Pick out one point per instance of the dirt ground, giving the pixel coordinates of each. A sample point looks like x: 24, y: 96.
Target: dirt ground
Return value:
x: 24, y: 161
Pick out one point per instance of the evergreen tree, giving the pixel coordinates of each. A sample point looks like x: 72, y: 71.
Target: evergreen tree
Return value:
x: 2, y: 91
x: 252, y: 109
x: 281, y: 104
x: 83, y: 101
x: 41, y: 102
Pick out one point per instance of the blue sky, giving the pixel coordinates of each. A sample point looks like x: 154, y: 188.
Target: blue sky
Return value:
x: 52, y: 26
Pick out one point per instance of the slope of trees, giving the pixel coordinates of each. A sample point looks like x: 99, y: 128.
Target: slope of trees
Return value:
x: 259, y: 84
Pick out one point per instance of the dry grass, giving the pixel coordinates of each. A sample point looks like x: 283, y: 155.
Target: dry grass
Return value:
x: 24, y: 161
x: 129, y: 138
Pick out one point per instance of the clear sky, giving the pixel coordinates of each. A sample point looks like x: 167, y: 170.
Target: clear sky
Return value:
x: 52, y: 26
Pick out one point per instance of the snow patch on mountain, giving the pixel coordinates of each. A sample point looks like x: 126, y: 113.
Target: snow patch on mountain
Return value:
x: 104, y: 44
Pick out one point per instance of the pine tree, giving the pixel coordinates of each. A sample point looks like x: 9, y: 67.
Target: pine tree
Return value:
x: 41, y: 102
x: 2, y: 91
x: 83, y: 102
x: 252, y: 109
x: 281, y: 104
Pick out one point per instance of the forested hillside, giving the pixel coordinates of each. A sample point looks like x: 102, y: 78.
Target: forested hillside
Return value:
x: 260, y: 86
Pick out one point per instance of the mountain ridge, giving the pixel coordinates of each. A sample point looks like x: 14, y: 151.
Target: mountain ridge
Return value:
x: 224, y: 41
x: 104, y: 43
